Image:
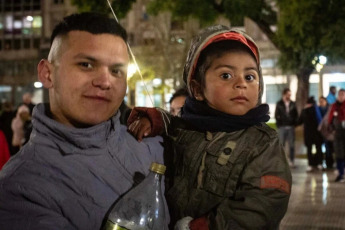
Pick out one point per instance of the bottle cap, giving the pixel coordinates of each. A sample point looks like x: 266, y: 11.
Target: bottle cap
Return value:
x: 158, y: 168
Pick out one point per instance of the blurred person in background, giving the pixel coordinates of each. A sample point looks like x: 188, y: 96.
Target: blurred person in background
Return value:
x: 125, y: 111
x: 177, y: 101
x: 337, y: 121
x: 4, y: 150
x: 19, y: 127
x: 328, y: 136
x: 312, y: 137
x: 331, y: 97
x: 27, y: 100
x: 286, y: 116
x: 6, y: 118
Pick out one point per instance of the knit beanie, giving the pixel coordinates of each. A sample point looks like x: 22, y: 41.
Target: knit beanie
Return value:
x: 214, y: 34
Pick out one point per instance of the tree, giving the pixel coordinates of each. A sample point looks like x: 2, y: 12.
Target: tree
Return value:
x: 305, y: 29
x: 121, y: 7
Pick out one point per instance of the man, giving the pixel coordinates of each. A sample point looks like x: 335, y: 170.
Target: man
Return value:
x: 337, y: 120
x: 177, y: 101
x: 27, y: 101
x: 286, y: 116
x: 79, y: 159
x: 331, y: 97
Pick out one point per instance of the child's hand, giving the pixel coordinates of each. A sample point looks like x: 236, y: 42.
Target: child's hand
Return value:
x: 140, y: 128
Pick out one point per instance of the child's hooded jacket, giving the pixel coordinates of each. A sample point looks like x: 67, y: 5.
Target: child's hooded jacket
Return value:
x: 231, y: 170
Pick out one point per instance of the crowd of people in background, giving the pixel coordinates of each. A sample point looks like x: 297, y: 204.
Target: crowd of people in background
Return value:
x: 323, y: 126
x: 15, y: 126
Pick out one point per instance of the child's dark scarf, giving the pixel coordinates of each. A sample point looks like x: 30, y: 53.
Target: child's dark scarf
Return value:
x: 205, y: 118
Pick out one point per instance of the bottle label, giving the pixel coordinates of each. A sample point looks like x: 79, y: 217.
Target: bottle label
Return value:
x: 111, y: 226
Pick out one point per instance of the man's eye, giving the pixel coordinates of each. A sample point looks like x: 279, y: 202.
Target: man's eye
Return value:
x: 117, y: 72
x: 226, y: 76
x: 85, y: 65
x: 250, y: 77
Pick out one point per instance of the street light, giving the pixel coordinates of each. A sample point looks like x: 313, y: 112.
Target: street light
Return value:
x: 322, y: 60
x: 38, y: 84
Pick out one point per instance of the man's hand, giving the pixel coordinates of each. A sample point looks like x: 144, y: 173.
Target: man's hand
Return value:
x: 140, y: 128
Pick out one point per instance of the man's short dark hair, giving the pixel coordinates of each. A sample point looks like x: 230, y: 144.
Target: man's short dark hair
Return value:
x: 178, y: 93
x: 90, y: 22
x: 286, y: 90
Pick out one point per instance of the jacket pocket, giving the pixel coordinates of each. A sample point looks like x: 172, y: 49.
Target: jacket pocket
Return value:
x: 217, y: 175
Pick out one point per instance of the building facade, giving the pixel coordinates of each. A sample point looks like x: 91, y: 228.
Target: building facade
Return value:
x: 25, y: 27
x: 159, y: 44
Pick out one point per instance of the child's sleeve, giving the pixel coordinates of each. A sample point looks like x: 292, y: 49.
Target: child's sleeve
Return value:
x: 159, y: 119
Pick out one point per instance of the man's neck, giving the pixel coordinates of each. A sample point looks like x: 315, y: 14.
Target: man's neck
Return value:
x: 286, y: 100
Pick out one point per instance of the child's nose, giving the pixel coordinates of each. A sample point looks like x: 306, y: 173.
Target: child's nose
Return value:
x: 240, y: 82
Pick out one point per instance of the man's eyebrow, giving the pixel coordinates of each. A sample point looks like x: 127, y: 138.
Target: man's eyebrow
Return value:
x: 119, y: 65
x: 85, y: 56
x: 93, y: 59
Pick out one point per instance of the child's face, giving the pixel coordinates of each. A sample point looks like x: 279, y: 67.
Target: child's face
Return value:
x: 232, y: 83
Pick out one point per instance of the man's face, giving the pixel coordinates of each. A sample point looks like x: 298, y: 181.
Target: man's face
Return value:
x: 333, y: 91
x: 341, y: 96
x: 88, y: 78
x: 287, y: 96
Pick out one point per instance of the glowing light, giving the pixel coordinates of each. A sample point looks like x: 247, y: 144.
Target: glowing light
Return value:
x: 157, y: 81
x: 324, y: 188
x: 29, y: 18
x: 322, y: 60
x: 131, y: 70
x: 38, y: 84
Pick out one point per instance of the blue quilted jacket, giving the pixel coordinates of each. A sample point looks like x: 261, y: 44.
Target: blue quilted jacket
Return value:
x: 68, y: 178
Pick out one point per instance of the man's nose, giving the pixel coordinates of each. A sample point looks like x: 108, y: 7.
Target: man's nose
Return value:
x: 102, y: 79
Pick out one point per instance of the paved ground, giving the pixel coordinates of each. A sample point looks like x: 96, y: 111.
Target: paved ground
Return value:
x: 317, y: 202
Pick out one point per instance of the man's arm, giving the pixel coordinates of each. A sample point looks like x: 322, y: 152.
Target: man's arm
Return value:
x: 22, y: 208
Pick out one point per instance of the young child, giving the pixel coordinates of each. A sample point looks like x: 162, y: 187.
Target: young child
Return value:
x: 229, y: 169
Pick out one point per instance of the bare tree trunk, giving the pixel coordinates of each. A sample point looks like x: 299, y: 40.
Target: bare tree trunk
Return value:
x: 302, y: 88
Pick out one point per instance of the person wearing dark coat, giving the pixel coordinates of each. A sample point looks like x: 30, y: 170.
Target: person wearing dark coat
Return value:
x: 6, y: 118
x: 312, y: 136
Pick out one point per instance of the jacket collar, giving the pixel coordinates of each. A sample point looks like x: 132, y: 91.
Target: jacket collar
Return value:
x: 68, y: 139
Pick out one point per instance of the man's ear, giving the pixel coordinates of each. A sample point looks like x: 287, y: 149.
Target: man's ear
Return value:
x: 44, y: 70
x: 197, y: 90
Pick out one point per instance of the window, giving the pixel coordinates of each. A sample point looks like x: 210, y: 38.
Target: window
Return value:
x: 274, y: 92
x: 26, y: 25
x: 27, y: 43
x: 37, y: 43
x: 56, y: 2
x: 314, y: 90
x: 16, y: 44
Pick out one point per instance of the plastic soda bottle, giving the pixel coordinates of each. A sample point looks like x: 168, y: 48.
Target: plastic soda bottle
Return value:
x: 142, y: 208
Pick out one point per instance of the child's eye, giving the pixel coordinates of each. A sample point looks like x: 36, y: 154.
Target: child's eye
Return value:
x: 86, y: 65
x: 226, y: 76
x: 250, y: 77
